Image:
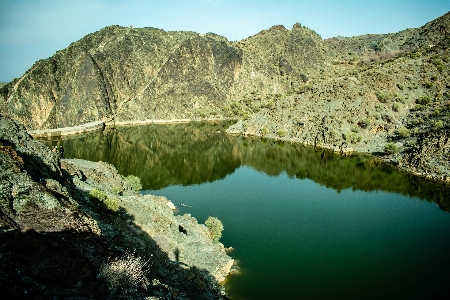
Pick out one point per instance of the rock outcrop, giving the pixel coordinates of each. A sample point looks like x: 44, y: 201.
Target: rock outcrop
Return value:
x: 56, y: 233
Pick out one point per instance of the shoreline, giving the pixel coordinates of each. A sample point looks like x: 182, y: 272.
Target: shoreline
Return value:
x: 101, y: 125
x: 444, y: 180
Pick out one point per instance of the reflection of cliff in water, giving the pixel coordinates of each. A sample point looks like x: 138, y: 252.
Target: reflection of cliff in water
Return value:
x: 161, y: 155
x: 186, y: 154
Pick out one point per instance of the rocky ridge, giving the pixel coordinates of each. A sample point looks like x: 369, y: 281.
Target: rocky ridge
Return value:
x: 56, y: 236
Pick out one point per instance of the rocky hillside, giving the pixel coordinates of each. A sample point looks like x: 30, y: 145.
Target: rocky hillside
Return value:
x: 372, y: 93
x: 384, y: 94
x: 73, y: 228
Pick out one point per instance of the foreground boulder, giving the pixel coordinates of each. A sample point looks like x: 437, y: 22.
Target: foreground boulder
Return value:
x: 59, y: 238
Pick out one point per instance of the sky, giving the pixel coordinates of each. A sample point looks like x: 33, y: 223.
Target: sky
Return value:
x: 35, y: 29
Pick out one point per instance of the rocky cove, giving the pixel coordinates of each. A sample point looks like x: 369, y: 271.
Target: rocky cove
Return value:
x: 55, y: 238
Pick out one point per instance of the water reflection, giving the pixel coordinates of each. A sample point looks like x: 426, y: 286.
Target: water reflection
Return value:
x: 194, y: 153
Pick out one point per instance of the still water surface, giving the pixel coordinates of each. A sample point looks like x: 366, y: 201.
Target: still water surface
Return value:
x: 304, y: 223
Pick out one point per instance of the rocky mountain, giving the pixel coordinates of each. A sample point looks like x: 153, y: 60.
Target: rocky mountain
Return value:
x: 78, y: 229
x: 373, y: 93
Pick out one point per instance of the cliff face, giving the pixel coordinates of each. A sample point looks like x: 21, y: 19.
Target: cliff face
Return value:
x: 56, y: 236
x: 138, y: 74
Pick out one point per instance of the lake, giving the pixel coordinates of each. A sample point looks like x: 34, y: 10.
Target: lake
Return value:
x: 304, y: 223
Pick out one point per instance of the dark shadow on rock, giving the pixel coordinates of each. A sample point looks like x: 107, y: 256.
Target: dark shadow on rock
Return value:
x: 49, y: 247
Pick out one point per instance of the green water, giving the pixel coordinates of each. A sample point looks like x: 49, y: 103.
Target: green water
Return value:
x: 304, y: 223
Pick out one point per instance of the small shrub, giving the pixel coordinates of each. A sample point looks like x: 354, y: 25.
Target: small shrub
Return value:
x: 264, y: 130
x: 122, y: 275
x: 418, y: 107
x: 355, y: 129
x: 390, y: 148
x: 281, y: 133
x: 215, y: 227
x: 352, y: 137
x: 116, y: 190
x: 428, y: 84
x: 97, y: 194
x: 364, y: 123
x: 403, y: 132
x: 384, y: 97
x: 134, y: 181
x: 438, y: 125
x: 396, y: 106
x: 111, y: 204
x: 423, y: 100
x: 102, y: 201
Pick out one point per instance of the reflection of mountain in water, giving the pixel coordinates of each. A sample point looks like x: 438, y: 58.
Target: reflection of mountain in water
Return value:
x: 161, y: 155
x: 186, y: 154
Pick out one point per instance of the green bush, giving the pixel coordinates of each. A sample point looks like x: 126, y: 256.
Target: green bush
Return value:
x: 403, y: 132
x: 111, y: 204
x: 390, y: 148
x: 102, y: 201
x: 423, y: 100
x: 352, y: 137
x: 215, y: 228
x: 438, y: 125
x: 97, y: 194
x: 396, y: 106
x: 134, y: 181
x: 281, y: 133
x: 264, y: 130
x: 384, y: 97
x: 364, y: 123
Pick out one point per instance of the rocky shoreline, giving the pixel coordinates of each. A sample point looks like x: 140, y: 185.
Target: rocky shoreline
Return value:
x: 63, y: 221
x: 436, y: 169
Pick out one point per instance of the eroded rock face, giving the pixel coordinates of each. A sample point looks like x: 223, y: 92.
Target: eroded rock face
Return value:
x: 33, y: 195
x: 54, y: 237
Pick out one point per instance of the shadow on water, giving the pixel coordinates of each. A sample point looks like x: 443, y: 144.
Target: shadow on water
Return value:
x: 194, y: 153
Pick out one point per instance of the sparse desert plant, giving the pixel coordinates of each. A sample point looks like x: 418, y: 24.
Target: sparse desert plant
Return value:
x: 97, y: 194
x: 423, y: 100
x: 384, y: 97
x: 281, y: 133
x: 403, y: 132
x: 364, y: 123
x: 390, y: 148
x: 438, y: 125
x: 134, y: 181
x: 102, y: 201
x: 396, y: 106
x: 352, y: 137
x: 264, y: 130
x: 215, y: 227
x: 121, y: 275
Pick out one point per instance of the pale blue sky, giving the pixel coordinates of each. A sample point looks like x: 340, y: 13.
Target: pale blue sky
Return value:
x: 35, y: 29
